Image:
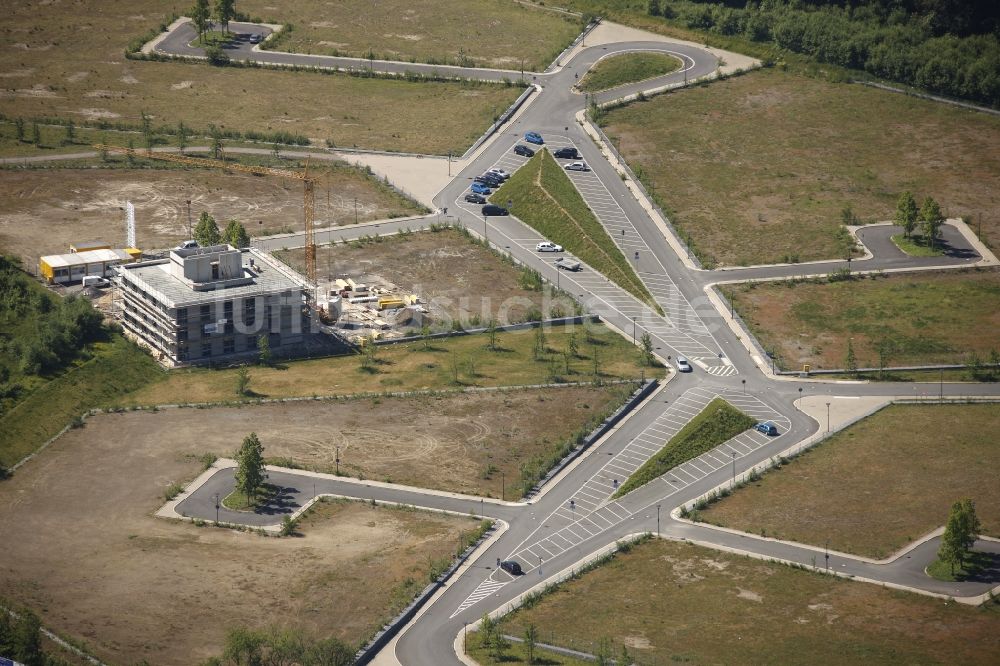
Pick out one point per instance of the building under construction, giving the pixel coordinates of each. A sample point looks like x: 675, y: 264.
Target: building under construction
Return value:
x: 212, y: 304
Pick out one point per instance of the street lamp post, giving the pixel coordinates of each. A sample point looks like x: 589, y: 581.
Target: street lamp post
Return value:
x: 337, y: 460
x: 744, y: 386
x: 190, y: 232
x: 734, y: 466
x: 633, y: 330
x: 216, y: 507
x: 828, y: 418
x: 657, y: 520
x: 355, y: 210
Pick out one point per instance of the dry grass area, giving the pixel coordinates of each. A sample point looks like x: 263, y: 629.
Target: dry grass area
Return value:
x: 929, y: 317
x: 445, y: 442
x: 82, y: 549
x: 440, y: 364
x: 757, y: 168
x: 880, y: 484
x: 670, y: 601
x: 42, y: 211
x: 67, y: 60
x: 455, y: 276
x: 494, y: 33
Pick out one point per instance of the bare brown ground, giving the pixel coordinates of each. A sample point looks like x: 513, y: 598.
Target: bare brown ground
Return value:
x: 43, y: 211
x: 453, y: 276
x: 82, y: 550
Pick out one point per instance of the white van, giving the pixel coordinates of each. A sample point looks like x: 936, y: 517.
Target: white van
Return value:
x: 95, y: 281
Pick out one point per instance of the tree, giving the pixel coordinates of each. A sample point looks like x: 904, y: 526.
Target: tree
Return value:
x: 530, y: 638
x: 491, y: 330
x: 886, y: 350
x: 624, y: 659
x: 931, y: 220
x: 206, y: 232
x: 216, y: 136
x: 216, y: 55
x: 487, y: 627
x: 200, y: 17
x: 425, y: 333
x: 647, y: 349
x: 224, y: 11
x: 538, y: 349
x: 851, y: 361
x: 26, y: 639
x: 36, y: 134
x: 264, y: 349
x: 104, y: 151
x: 250, y: 473
x: 236, y: 234
x: 573, y: 345
x: 848, y: 218
x: 130, y: 155
x: 906, y: 213
x: 960, y: 533
x: 242, y: 381
x: 182, y: 136
x: 654, y: 8
x: 19, y: 129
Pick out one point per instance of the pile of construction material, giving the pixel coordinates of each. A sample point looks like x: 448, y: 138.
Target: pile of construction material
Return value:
x: 370, y: 311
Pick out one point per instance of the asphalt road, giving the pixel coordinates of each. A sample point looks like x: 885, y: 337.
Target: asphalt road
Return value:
x: 574, y: 516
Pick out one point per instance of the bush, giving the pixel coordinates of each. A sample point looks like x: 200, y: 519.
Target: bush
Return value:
x: 217, y: 56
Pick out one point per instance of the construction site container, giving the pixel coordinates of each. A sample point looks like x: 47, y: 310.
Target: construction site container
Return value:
x: 390, y: 303
x: 87, y: 246
x: 73, y: 267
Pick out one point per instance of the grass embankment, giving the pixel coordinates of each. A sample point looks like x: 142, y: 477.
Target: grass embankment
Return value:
x: 441, y: 364
x: 917, y: 319
x: 878, y: 485
x: 618, y: 70
x: 916, y: 246
x: 516, y: 654
x: 717, y: 423
x: 544, y: 198
x: 764, y: 175
x: 84, y: 74
x: 462, y: 32
x: 670, y: 601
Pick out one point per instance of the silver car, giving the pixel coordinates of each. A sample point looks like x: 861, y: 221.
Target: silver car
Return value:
x: 683, y: 365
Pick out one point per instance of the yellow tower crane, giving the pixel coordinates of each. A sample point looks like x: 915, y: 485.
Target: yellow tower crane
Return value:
x: 309, y: 202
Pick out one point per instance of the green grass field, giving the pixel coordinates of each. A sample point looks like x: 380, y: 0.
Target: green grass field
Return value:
x: 58, y: 66
x: 544, y: 198
x: 915, y: 246
x: 919, y: 318
x: 878, y: 485
x: 676, y: 602
x: 494, y: 33
x: 756, y: 169
x: 447, y: 363
x: 618, y: 70
x: 717, y: 423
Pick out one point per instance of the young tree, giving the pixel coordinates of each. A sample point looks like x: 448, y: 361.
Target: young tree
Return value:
x: 182, y: 136
x: 647, y: 349
x: 104, y: 151
x: 200, y: 17
x: 530, y: 639
x: 19, y: 129
x: 624, y: 659
x: 216, y: 136
x: 931, y: 220
x: 425, y: 333
x: 573, y: 345
x: 487, y: 628
x: 848, y: 218
x: 206, y: 232
x: 264, y: 349
x: 960, y: 533
x: 130, y: 155
x: 36, y: 134
x: 654, y: 8
x: 224, y: 11
x: 236, y: 234
x: 250, y: 473
x: 538, y: 349
x: 850, y: 361
x: 242, y: 381
x: 906, y: 213
x: 491, y: 330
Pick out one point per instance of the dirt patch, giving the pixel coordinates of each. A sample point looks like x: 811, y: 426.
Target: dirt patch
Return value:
x: 840, y: 486
x: 104, y: 571
x: 43, y: 211
x: 454, y: 277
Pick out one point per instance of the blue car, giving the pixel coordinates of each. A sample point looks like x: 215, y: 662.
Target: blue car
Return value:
x: 767, y: 428
x: 479, y: 188
x: 534, y: 137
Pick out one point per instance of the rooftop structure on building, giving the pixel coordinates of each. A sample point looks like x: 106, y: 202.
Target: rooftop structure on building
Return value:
x: 210, y: 304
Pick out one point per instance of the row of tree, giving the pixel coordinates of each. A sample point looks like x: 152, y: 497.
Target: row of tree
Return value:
x: 21, y: 640
x: 928, y: 216
x: 949, y: 47
x: 256, y: 647
x: 202, y: 15
x: 207, y: 233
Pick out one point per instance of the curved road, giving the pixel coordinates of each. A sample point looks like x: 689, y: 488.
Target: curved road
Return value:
x: 574, y: 516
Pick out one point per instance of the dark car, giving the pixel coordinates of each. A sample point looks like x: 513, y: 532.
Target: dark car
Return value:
x: 567, y: 154
x: 486, y: 179
x: 472, y: 197
x: 511, y: 567
x: 524, y: 150
x: 767, y: 428
x: 534, y: 137
x: 493, y: 210
x: 256, y: 38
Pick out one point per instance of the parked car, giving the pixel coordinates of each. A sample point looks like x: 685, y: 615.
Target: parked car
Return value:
x: 567, y: 264
x: 472, y: 197
x: 95, y: 281
x: 683, y: 365
x: 493, y: 210
x: 511, y: 567
x: 534, y: 137
x: 523, y: 150
x: 548, y: 246
x: 488, y: 180
x: 187, y: 245
x: 499, y: 173
x: 256, y: 38
x: 567, y: 154
x: 767, y: 428
x: 577, y: 166
x: 479, y: 188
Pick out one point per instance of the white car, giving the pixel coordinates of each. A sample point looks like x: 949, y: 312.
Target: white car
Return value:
x: 683, y: 365
x: 577, y: 166
x: 500, y: 173
x: 546, y: 246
